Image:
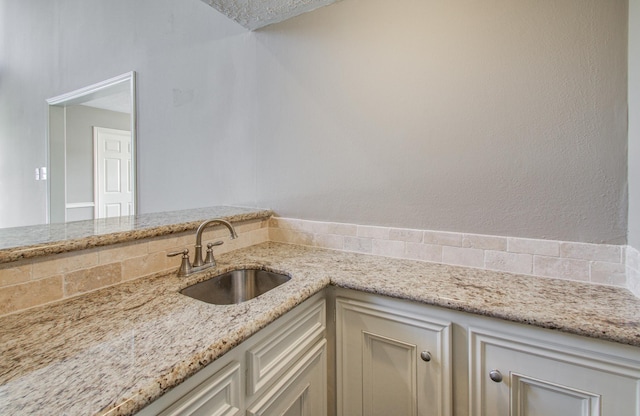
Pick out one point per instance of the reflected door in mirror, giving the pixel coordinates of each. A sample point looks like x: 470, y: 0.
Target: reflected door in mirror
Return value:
x: 114, y: 187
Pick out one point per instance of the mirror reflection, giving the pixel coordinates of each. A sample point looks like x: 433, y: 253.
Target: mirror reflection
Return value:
x: 91, y: 136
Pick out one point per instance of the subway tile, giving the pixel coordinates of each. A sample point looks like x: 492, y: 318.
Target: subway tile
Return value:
x: 442, y: 238
x: 215, y: 232
x: 533, y: 246
x: 287, y: 223
x: 63, y: 263
x: 509, y: 262
x: 317, y: 227
x: 11, y: 275
x: 485, y: 242
x: 608, y: 273
x: 632, y: 256
x: 246, y: 226
x: 471, y: 257
x: 594, y: 252
x: 388, y: 248
x: 633, y: 281
x: 561, y: 268
x: 277, y: 235
x: 256, y: 236
x: 148, y: 264
x: 405, y: 234
x: 379, y: 233
x: 170, y: 243
x: 290, y: 236
x: 122, y: 252
x: 86, y: 280
x: 332, y: 241
x: 34, y: 293
x: 360, y: 245
x: 424, y: 252
x: 343, y: 229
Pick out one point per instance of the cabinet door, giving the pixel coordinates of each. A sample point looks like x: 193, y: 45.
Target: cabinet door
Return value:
x: 219, y: 395
x: 520, y: 378
x: 302, y: 391
x: 391, y: 361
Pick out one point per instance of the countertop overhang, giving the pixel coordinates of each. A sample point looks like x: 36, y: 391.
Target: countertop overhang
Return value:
x: 115, y: 350
x: 32, y: 241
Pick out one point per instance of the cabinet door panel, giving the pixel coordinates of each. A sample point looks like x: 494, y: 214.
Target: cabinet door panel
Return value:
x: 219, y: 395
x: 533, y: 397
x: 302, y: 391
x: 539, y: 380
x: 271, y: 357
x: 388, y: 376
x: 379, y: 369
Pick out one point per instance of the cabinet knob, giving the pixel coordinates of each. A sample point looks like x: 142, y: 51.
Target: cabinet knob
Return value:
x: 495, y: 375
x: 426, y: 356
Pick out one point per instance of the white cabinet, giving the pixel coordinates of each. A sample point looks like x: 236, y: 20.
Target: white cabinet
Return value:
x: 523, y: 376
x: 391, y: 360
x: 281, y: 370
x: 479, y: 366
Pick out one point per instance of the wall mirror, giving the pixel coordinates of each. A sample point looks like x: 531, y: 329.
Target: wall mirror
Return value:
x: 91, y: 151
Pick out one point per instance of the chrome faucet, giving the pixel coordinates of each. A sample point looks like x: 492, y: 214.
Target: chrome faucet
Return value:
x: 186, y: 268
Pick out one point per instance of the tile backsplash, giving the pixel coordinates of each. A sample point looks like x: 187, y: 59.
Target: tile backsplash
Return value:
x: 33, y: 282
x: 29, y: 283
x: 594, y: 263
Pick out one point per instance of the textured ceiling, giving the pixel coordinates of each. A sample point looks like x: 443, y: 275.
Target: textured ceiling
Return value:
x: 254, y: 14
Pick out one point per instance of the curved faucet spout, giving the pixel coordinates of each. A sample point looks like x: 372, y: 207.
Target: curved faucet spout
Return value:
x: 232, y: 232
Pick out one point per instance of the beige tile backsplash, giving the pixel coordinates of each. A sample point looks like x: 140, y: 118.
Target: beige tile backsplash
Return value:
x: 29, y: 283
x: 595, y: 263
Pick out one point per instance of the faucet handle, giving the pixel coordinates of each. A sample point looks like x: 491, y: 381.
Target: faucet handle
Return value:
x: 209, y: 259
x: 185, y: 265
x: 184, y: 253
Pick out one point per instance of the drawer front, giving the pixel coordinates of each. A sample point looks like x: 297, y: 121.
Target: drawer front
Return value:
x: 271, y: 357
x: 218, y: 395
x: 302, y: 391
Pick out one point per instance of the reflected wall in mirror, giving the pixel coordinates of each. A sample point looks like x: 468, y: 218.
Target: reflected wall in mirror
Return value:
x: 92, y: 139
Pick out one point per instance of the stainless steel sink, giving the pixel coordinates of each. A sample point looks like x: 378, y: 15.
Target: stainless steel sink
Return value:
x: 235, y: 286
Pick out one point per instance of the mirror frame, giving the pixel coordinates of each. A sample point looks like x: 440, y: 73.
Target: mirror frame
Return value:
x: 83, y: 95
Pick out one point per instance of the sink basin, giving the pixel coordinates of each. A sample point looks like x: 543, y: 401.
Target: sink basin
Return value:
x: 235, y: 286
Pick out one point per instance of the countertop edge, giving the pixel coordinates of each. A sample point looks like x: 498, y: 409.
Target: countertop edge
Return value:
x: 9, y: 255
x: 181, y: 371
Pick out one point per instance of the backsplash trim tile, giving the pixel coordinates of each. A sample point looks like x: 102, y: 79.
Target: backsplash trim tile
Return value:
x: 602, y: 264
x: 34, y: 282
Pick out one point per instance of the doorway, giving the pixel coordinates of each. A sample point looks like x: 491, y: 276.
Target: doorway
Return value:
x: 82, y: 180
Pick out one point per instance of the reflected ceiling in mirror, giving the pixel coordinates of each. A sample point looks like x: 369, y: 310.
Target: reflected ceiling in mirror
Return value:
x: 92, y: 151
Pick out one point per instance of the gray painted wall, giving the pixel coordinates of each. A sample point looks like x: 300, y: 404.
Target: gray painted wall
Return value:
x: 498, y: 117
x: 503, y: 118
x: 634, y: 123
x: 194, y: 70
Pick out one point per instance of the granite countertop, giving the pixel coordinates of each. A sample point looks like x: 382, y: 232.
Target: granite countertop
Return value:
x: 41, y: 240
x: 114, y: 350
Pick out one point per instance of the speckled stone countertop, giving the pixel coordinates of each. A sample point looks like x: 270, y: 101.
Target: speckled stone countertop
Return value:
x: 114, y: 350
x: 41, y: 240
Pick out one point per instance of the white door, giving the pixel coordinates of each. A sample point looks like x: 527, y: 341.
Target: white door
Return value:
x: 113, y: 179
